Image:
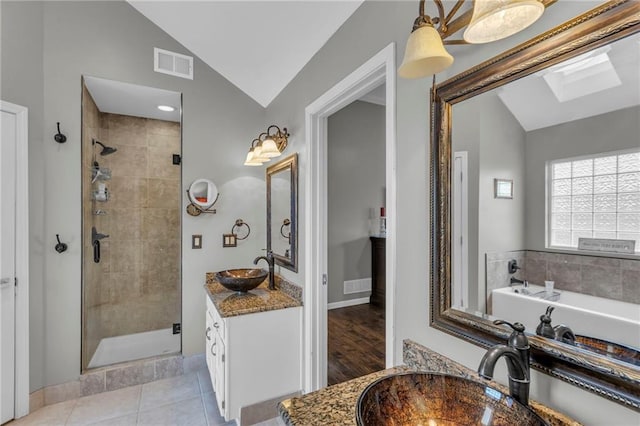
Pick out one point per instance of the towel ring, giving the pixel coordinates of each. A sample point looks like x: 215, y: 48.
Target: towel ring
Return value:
x: 285, y: 222
x: 239, y: 223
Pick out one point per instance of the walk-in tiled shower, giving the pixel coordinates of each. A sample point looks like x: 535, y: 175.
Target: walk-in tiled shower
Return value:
x: 131, y: 232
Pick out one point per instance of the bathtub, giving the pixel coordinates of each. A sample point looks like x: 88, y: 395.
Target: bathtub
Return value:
x: 586, y: 315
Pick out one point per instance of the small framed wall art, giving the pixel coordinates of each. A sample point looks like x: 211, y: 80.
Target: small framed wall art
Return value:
x: 503, y: 188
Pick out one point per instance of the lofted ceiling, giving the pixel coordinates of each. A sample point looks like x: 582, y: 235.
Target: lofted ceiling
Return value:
x: 259, y: 45
x: 591, y: 84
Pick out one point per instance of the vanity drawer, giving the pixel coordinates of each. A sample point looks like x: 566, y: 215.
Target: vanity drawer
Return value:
x: 218, y: 322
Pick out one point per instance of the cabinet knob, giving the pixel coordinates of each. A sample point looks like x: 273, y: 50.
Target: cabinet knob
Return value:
x: 207, y: 333
x: 216, y: 325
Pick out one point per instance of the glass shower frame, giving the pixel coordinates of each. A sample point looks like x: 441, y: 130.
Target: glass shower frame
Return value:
x: 92, y: 321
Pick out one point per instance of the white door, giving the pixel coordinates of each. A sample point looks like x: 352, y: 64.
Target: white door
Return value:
x: 8, y: 129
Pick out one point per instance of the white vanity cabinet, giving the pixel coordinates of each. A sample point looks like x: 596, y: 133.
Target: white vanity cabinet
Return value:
x: 253, y: 357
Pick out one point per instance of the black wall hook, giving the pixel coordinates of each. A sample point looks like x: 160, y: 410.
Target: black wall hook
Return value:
x: 60, y: 247
x: 59, y: 137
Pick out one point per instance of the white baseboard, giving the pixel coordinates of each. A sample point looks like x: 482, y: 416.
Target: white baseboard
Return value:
x: 345, y: 303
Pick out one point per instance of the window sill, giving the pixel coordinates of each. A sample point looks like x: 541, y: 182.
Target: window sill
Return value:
x: 575, y: 251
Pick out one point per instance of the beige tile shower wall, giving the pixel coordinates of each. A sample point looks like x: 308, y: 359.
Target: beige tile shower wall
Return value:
x: 91, y: 330
x: 142, y: 254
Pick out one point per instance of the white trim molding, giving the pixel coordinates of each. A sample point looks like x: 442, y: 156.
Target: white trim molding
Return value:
x: 347, y: 303
x: 22, y: 257
x: 380, y: 69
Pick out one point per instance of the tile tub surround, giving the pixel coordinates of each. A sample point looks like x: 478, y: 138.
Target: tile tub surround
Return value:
x: 337, y: 404
x: 118, y: 376
x: 607, y: 277
x: 261, y: 299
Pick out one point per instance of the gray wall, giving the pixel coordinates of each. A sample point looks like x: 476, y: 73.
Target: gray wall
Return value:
x: 22, y: 82
x: 111, y: 40
x: 494, y: 141
x: 467, y: 138
x: 356, y: 184
x: 372, y: 27
x: 500, y: 221
x: 613, y: 131
x: 46, y: 47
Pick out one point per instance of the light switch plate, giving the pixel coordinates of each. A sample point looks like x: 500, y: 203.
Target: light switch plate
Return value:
x: 229, y: 240
x: 196, y: 241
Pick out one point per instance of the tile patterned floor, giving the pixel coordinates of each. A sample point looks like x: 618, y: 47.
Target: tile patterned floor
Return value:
x: 183, y: 400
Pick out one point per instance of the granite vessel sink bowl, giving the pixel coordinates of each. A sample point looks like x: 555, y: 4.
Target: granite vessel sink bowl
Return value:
x: 241, y: 280
x: 438, y: 399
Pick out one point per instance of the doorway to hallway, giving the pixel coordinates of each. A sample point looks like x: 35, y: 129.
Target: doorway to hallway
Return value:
x: 378, y: 70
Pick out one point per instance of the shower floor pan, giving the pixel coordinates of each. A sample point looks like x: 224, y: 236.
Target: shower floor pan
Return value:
x: 130, y: 347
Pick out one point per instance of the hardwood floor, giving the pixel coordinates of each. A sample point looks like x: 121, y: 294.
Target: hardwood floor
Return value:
x: 356, y: 344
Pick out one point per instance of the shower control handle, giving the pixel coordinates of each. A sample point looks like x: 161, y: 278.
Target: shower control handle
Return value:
x: 207, y: 333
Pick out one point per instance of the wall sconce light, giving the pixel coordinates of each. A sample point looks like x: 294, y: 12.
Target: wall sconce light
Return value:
x: 267, y: 145
x: 488, y: 20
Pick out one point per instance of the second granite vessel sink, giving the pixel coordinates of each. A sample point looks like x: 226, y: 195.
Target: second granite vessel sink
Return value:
x: 241, y: 280
x: 438, y: 399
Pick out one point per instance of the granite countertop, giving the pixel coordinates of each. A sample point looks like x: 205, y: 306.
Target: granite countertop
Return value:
x: 336, y: 405
x: 261, y: 299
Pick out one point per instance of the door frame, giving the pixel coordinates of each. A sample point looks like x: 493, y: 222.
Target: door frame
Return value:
x: 22, y: 257
x: 381, y: 68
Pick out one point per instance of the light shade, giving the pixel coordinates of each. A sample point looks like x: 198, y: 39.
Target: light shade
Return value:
x: 252, y: 159
x: 496, y: 19
x: 269, y: 148
x: 425, y: 54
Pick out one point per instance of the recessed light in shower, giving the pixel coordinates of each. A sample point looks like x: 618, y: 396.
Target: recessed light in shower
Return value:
x: 166, y: 108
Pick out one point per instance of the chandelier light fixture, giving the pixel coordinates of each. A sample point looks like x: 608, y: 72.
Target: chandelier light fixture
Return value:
x: 486, y: 21
x: 267, y: 145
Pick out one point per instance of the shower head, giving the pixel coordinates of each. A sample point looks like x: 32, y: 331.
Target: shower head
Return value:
x: 106, y: 150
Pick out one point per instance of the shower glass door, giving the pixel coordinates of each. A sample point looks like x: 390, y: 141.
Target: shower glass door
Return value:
x: 131, y: 286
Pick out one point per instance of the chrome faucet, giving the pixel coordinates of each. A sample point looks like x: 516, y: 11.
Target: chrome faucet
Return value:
x: 516, y: 353
x: 271, y: 261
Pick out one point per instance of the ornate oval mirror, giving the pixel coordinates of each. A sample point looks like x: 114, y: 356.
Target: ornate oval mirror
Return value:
x: 282, y: 212
x: 553, y: 124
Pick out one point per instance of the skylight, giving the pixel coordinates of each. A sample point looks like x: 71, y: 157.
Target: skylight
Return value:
x: 584, y: 75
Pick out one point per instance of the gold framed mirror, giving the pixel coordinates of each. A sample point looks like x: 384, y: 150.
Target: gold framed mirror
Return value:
x: 282, y: 212
x: 612, y: 22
